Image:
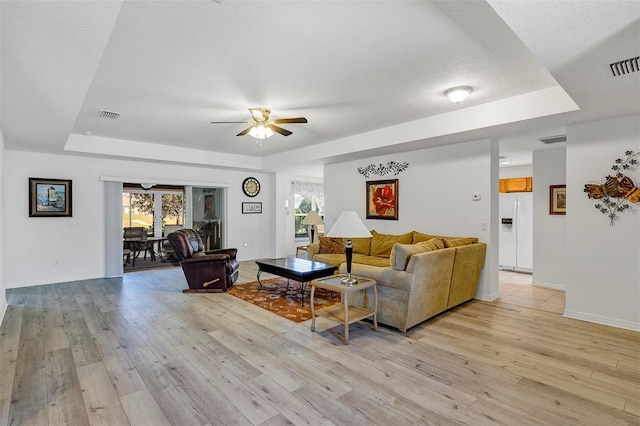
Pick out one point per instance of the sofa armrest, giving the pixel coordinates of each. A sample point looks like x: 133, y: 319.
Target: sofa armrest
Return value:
x: 231, y: 252
x: 312, y: 250
x: 206, y: 258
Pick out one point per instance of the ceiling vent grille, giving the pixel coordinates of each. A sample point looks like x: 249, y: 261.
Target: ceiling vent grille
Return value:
x: 626, y: 66
x: 553, y: 139
x: 110, y: 115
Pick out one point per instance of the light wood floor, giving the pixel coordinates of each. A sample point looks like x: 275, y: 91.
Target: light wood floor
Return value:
x: 136, y: 350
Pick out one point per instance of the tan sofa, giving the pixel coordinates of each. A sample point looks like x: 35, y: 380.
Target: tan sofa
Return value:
x: 418, y: 275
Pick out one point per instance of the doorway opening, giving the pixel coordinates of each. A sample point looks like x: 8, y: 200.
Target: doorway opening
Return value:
x: 149, y: 214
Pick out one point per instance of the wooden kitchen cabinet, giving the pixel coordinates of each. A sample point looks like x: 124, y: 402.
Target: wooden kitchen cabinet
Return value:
x: 523, y: 184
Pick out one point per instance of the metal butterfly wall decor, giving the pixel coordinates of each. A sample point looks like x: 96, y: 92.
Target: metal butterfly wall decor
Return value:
x: 615, y: 192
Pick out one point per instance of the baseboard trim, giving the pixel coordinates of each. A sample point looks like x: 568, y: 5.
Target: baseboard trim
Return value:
x: 488, y: 297
x: 553, y: 286
x: 48, y: 281
x: 599, y: 319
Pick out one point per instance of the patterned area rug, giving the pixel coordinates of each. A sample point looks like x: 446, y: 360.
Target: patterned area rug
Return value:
x: 282, y: 299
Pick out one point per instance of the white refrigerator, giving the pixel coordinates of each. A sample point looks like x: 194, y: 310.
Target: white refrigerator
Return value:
x: 516, y: 231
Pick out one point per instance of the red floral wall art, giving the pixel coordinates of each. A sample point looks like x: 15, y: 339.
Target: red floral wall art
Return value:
x: 382, y: 199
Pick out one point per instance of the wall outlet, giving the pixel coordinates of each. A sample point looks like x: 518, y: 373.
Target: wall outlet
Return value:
x: 484, y: 226
x: 475, y: 196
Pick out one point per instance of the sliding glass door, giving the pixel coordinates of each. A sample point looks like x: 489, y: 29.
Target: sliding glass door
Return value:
x: 152, y: 209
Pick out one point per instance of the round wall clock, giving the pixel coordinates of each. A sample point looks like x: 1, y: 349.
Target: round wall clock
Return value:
x: 251, y: 187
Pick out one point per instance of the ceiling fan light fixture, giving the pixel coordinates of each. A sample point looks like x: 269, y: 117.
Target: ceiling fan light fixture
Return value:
x: 458, y: 94
x: 261, y: 131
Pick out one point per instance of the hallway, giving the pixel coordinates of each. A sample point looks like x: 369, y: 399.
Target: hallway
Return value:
x: 516, y: 289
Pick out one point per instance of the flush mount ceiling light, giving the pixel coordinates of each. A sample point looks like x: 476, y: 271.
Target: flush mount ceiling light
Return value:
x: 147, y: 186
x: 458, y: 94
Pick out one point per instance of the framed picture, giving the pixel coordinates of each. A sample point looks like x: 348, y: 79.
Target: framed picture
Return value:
x: 249, y: 208
x: 382, y: 199
x: 208, y: 203
x: 49, y: 197
x: 558, y: 199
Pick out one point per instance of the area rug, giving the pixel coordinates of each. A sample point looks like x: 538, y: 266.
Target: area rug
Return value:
x: 282, y: 299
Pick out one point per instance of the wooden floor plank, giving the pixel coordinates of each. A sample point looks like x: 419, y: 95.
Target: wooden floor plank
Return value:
x: 66, y: 405
x: 100, y: 398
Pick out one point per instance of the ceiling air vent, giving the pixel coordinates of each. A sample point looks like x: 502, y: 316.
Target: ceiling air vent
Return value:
x: 109, y: 115
x: 553, y: 139
x: 626, y: 66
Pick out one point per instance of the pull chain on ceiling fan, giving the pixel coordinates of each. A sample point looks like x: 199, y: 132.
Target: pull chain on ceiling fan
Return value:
x: 261, y: 127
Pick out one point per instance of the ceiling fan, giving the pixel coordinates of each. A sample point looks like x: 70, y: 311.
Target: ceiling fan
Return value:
x: 261, y: 127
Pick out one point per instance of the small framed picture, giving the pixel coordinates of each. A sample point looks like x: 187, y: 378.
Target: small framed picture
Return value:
x: 251, y: 208
x: 558, y: 199
x: 382, y: 199
x: 49, y: 197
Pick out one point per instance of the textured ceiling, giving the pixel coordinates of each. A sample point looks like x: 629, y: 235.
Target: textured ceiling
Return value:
x: 368, y: 75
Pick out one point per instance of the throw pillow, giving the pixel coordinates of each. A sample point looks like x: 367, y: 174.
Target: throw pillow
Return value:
x: 331, y: 245
x: 418, y: 237
x: 459, y: 241
x: 401, y: 253
x: 381, y: 244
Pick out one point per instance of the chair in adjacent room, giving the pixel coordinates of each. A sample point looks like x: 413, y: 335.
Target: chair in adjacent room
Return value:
x: 167, y: 252
x: 205, y: 271
x: 135, y: 239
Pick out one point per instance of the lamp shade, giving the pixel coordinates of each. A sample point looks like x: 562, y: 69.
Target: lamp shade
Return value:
x: 349, y: 225
x: 312, y: 218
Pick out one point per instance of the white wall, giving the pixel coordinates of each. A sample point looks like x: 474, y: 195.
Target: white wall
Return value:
x: 50, y: 250
x: 3, y: 286
x: 434, y: 195
x: 516, y: 171
x: 549, y: 261
x: 603, y: 271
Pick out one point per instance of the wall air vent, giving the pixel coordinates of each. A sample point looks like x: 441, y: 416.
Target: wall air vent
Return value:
x: 110, y: 115
x: 553, y: 139
x: 626, y: 66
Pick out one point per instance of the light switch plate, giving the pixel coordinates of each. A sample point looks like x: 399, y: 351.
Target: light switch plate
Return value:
x: 476, y: 197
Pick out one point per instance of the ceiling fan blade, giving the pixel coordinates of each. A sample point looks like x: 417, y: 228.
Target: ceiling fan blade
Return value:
x: 290, y: 120
x: 283, y: 132
x: 245, y: 131
x: 260, y: 114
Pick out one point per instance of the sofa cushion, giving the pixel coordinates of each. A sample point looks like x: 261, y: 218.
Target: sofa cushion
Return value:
x: 418, y: 237
x: 459, y: 241
x: 333, y: 259
x: 361, y: 245
x: 401, y: 253
x: 361, y: 259
x: 331, y: 245
x: 381, y: 244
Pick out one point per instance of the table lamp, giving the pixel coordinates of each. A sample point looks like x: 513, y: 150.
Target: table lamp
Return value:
x: 349, y: 225
x: 312, y: 219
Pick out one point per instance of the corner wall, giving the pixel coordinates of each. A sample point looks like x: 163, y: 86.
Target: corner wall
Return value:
x: 603, y: 271
x: 549, y: 243
x: 3, y: 285
x: 434, y: 196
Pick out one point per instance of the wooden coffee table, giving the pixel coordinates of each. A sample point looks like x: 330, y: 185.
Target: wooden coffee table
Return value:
x: 342, y: 312
x: 299, y: 270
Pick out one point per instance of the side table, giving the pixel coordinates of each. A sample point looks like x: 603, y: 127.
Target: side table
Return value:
x: 342, y: 312
x: 303, y: 248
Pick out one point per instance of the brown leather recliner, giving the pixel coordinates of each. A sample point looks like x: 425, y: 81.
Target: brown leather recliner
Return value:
x: 209, y: 271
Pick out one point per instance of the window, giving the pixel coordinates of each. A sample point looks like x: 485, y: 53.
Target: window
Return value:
x: 307, y: 196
